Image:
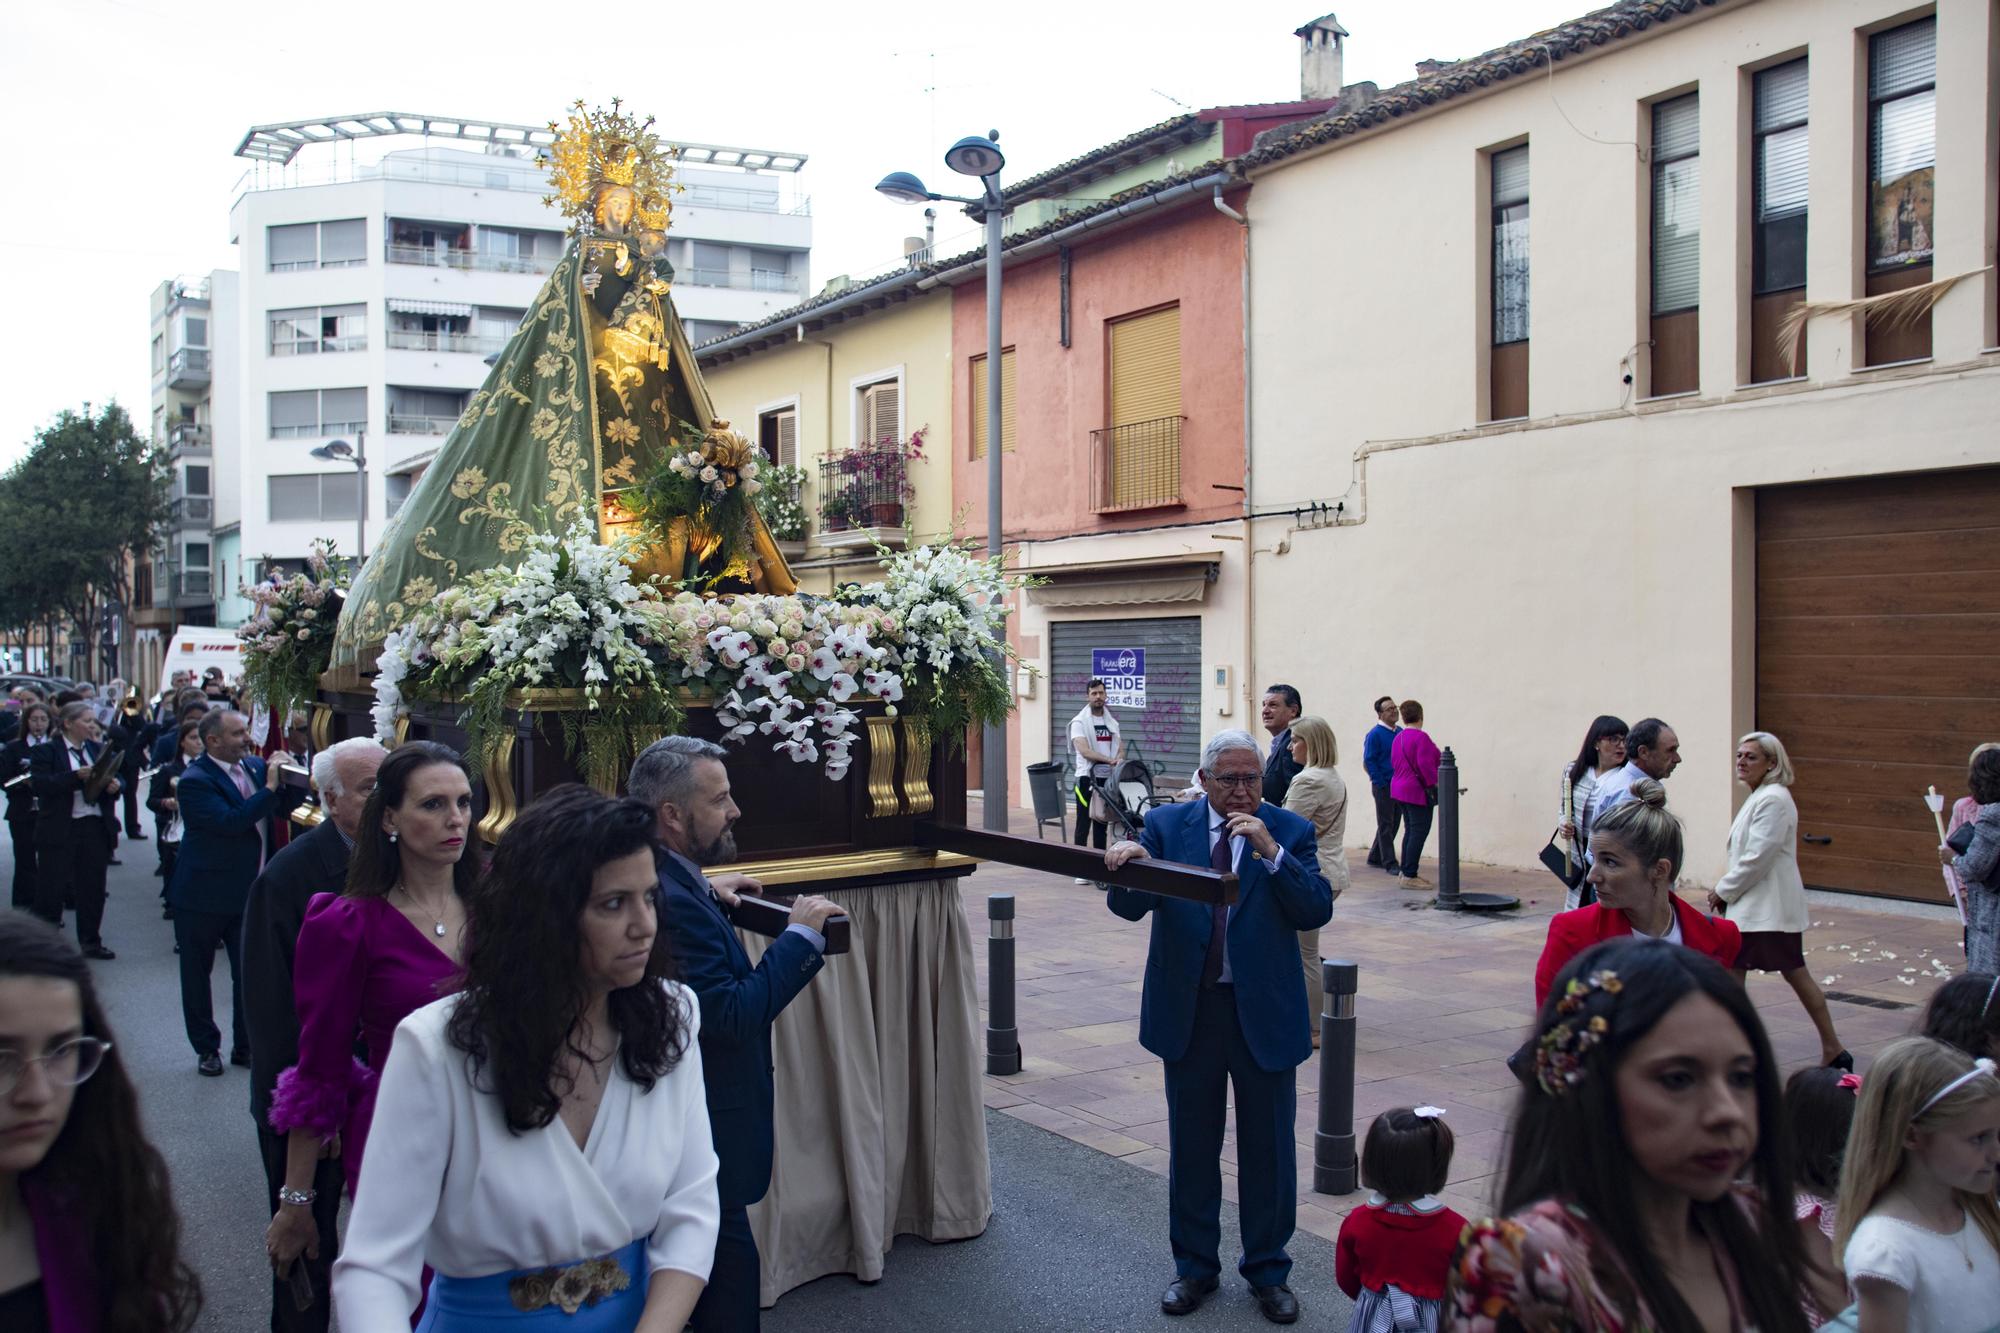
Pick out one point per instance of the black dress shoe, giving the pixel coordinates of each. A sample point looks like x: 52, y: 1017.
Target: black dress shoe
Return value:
x: 210, y: 1065
x: 240, y: 1057
x: 100, y: 953
x: 1185, y: 1294
x: 135, y: 836
x: 1277, y: 1303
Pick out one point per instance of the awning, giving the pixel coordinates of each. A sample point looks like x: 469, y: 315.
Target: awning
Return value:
x: 1147, y: 581
x: 416, y: 462
x: 454, y: 309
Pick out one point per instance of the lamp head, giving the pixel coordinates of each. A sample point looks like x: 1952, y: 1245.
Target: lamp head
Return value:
x: 975, y: 155
x: 904, y: 188
x: 338, y: 451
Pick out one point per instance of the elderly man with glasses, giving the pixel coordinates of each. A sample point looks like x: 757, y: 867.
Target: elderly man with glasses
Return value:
x: 1225, y: 1007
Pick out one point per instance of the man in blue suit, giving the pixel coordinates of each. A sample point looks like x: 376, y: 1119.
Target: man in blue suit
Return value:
x: 226, y: 800
x: 683, y: 780
x: 1225, y: 1006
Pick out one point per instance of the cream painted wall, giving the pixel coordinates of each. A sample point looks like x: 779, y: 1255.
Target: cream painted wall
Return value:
x: 818, y: 374
x: 1520, y: 579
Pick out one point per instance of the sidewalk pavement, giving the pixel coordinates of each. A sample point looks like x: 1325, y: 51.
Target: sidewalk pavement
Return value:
x: 1444, y: 998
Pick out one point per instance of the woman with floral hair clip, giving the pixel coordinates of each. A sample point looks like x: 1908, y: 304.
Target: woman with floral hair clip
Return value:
x: 1647, y: 1183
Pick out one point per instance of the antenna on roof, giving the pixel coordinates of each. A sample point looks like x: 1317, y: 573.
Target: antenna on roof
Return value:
x: 1175, y: 100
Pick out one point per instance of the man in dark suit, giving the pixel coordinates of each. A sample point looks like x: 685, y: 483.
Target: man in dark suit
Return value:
x: 311, y: 864
x: 1225, y: 1007
x: 1281, y: 708
x: 227, y: 798
x: 683, y: 780
x: 73, y: 835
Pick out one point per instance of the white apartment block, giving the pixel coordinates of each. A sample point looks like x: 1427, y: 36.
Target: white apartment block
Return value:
x: 366, y: 305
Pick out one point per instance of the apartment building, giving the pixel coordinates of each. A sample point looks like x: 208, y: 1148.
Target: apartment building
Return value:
x: 368, y: 300
x: 1528, y: 445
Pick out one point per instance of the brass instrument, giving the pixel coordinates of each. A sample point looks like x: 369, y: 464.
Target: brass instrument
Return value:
x: 102, y: 773
x: 132, y: 708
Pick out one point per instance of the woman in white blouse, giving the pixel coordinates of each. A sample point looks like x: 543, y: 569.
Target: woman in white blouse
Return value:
x: 1318, y: 793
x: 1762, y: 892
x: 544, y: 1141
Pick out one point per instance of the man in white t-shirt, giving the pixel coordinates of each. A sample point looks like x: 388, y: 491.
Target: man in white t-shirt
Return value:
x: 1095, y: 750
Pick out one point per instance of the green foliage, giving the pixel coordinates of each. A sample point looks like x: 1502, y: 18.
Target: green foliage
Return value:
x: 779, y: 503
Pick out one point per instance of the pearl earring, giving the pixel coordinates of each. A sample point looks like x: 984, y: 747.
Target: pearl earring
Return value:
x: 392, y: 835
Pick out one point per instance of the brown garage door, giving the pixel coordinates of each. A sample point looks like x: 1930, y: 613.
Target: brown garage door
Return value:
x: 1878, y: 662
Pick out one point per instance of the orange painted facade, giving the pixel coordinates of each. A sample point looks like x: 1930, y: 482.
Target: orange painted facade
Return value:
x: 1192, y: 257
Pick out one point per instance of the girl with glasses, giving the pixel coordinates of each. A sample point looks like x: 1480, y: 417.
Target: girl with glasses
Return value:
x: 89, y: 1240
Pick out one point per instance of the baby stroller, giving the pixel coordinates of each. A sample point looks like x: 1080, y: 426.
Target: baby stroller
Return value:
x: 1128, y: 795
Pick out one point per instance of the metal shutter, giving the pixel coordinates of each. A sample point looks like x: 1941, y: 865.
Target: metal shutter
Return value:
x: 1145, y: 386
x: 1006, y: 403
x: 1169, y: 730
x: 881, y: 415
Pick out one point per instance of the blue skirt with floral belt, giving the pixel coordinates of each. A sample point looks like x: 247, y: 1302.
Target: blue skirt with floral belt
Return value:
x: 604, y: 1295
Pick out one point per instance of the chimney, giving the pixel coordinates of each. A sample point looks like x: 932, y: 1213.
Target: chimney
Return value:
x: 1320, y: 46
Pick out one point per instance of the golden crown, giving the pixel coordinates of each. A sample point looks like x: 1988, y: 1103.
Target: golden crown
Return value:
x: 598, y: 148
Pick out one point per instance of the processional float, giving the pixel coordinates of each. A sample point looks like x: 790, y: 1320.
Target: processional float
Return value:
x: 581, y: 570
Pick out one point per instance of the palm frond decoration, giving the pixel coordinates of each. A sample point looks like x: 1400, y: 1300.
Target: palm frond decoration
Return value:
x: 1889, y: 310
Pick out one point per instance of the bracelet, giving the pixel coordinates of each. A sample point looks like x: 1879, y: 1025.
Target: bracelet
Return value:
x: 297, y: 1198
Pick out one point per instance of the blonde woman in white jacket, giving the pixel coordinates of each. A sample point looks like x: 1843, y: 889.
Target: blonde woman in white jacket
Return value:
x: 1762, y: 891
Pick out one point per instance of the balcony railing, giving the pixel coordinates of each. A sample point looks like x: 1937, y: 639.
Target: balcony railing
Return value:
x: 758, y: 280
x: 320, y: 428
x: 411, y: 423
x: 192, y: 510
x: 427, y: 256
x: 417, y: 340
x: 185, y: 435
x: 1136, y: 466
x: 193, y: 583
x: 188, y: 367
x: 353, y: 342
x: 749, y: 201
x: 864, y: 488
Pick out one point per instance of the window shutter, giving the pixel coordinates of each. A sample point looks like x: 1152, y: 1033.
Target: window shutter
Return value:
x: 1006, y: 403
x: 1677, y: 205
x: 881, y: 415
x: 294, y: 246
x: 294, y: 499
x: 1903, y: 59
x: 294, y: 411
x: 1781, y: 97
x: 788, y: 439
x: 343, y: 242
x: 343, y: 409
x: 1146, y: 367
x: 1510, y: 245
x: 1510, y: 177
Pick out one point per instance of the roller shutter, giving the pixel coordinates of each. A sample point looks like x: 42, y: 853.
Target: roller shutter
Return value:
x: 1169, y: 728
x: 1878, y: 612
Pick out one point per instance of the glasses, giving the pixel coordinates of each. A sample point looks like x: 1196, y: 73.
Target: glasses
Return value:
x: 67, y: 1065
x: 1239, y: 781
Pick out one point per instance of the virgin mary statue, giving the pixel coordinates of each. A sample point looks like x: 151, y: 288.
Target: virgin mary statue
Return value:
x: 596, y: 391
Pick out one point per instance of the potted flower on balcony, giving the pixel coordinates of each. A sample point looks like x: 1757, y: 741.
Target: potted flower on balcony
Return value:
x: 833, y: 512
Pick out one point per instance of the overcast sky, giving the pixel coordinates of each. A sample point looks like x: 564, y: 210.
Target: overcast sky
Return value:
x: 126, y: 115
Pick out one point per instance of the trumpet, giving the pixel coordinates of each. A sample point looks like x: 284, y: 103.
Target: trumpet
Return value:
x: 132, y: 707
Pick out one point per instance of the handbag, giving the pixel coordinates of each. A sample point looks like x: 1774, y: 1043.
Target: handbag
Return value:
x: 1568, y: 868
x: 1100, y: 812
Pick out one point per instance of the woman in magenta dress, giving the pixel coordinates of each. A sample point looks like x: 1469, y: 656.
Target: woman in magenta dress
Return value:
x: 367, y: 959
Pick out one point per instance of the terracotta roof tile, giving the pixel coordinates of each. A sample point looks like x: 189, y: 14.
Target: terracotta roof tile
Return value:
x: 1528, y: 55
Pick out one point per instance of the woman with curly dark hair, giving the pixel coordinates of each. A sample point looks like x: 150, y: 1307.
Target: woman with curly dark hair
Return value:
x: 552, y: 1160
x: 366, y: 959
x: 89, y: 1239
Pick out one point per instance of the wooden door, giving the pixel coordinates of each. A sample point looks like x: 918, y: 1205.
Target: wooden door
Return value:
x: 1878, y: 662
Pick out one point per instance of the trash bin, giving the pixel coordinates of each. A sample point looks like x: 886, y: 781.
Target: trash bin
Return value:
x: 1045, y: 783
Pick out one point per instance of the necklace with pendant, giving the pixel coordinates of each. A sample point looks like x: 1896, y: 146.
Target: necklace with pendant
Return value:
x: 439, y: 930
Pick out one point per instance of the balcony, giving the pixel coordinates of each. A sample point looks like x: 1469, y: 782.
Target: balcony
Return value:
x: 864, y: 494
x: 186, y: 437
x: 192, y: 511
x: 749, y: 201
x: 1136, y: 466
x: 437, y: 257
x: 188, y: 368
x: 355, y: 342
x: 754, y: 280
x: 416, y: 340
x: 411, y: 423
x: 193, y: 585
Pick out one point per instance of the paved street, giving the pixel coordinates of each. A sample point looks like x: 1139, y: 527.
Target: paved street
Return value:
x: 1078, y: 1137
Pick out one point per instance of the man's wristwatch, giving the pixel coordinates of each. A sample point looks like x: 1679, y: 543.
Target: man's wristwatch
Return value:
x: 296, y: 1198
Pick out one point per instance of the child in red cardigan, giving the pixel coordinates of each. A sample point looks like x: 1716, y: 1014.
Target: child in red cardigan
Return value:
x: 1395, y: 1250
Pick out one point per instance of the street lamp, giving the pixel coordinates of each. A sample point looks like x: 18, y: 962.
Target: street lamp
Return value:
x: 979, y: 157
x: 340, y: 451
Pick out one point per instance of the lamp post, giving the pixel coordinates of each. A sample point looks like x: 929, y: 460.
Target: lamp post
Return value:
x: 340, y: 451
x: 981, y: 158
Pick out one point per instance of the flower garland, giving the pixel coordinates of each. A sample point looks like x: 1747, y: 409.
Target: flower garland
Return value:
x: 708, y: 487
x: 288, y: 639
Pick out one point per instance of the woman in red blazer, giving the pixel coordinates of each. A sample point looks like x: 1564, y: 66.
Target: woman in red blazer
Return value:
x: 1635, y: 853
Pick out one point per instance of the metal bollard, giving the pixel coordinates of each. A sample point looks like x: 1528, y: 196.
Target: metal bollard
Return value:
x: 1335, y: 1170
x: 1003, y: 1038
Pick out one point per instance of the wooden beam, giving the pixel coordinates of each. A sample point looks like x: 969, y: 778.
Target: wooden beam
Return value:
x: 769, y: 916
x: 1197, y: 884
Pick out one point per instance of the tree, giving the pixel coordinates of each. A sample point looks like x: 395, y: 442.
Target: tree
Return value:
x: 76, y: 514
